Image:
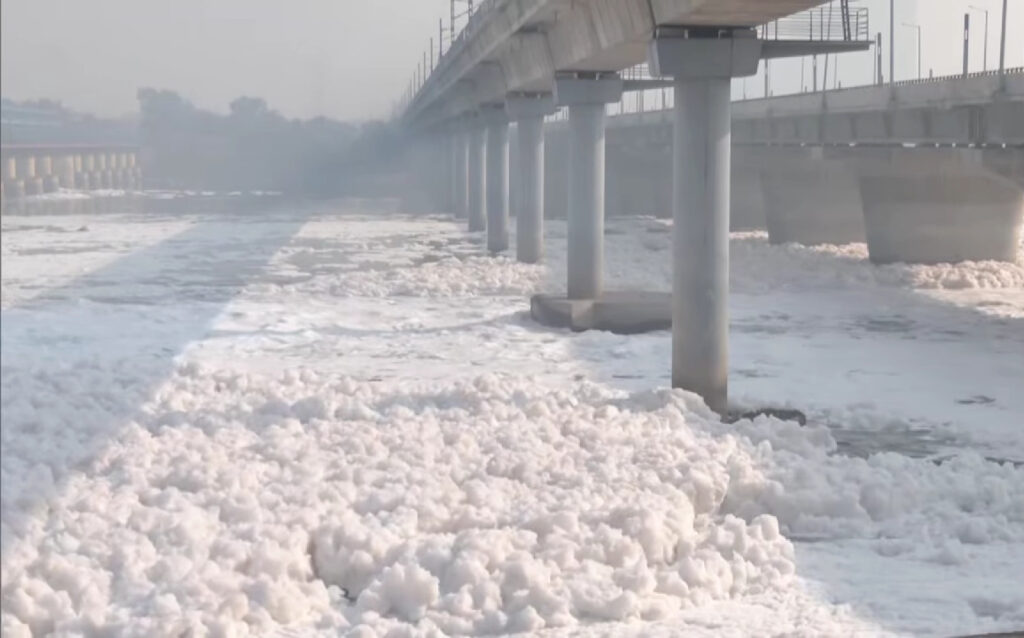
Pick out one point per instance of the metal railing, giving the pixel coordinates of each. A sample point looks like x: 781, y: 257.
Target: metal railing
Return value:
x: 841, y: 20
x: 838, y: 20
x: 1015, y: 70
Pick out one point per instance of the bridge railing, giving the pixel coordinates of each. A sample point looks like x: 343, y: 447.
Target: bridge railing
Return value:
x: 845, y: 22
x: 1016, y: 70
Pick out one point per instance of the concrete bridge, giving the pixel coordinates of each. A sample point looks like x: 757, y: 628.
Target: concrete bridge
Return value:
x: 519, y: 60
x: 857, y: 164
x: 35, y: 169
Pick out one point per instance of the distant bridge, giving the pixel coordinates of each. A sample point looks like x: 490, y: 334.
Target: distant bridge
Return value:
x: 35, y: 169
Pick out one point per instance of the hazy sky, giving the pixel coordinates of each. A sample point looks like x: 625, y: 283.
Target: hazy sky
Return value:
x: 342, y: 58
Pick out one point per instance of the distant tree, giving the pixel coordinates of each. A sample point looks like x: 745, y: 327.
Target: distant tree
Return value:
x: 251, y: 148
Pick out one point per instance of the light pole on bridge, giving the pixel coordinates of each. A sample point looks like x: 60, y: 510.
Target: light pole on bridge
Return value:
x: 892, y: 41
x: 1002, y: 44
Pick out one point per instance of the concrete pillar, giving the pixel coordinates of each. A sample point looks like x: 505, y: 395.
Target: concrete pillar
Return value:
x: 702, y: 65
x: 89, y: 179
x: 497, y: 179
x: 530, y: 216
x: 99, y: 175
x: 25, y: 166
x: 811, y: 197
x: 65, y: 171
x: 931, y: 206
x: 556, y: 170
x: 586, y: 201
x: 14, y: 188
x: 529, y: 111
x: 513, y: 172
x: 26, y: 170
x: 586, y: 97
x: 45, y: 172
x: 114, y: 168
x: 460, y: 164
x: 477, y: 177
x: 700, y: 239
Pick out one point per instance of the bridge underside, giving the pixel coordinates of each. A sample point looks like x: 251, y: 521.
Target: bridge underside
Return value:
x: 519, y: 45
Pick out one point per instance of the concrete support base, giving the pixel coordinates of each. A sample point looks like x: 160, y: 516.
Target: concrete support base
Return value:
x: 812, y: 200
x: 626, y: 312
x: 920, y: 207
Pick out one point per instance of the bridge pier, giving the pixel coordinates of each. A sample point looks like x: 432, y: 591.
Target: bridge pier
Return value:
x: 82, y: 181
x: 702, y: 63
x: 477, y: 176
x: 26, y: 167
x: 497, y: 179
x: 114, y: 169
x: 44, y: 170
x: 460, y: 179
x: 700, y: 238
x: 528, y: 110
x: 586, y: 96
x: 135, y: 171
x: 935, y: 206
x: 14, y: 186
x: 811, y: 198
x: 65, y: 171
x: 99, y: 175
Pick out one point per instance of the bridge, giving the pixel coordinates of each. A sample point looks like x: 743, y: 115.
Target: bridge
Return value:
x: 805, y: 165
x: 827, y: 166
x: 35, y: 169
x: 47, y: 148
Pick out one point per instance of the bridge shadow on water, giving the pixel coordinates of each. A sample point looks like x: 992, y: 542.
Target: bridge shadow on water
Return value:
x: 80, y: 361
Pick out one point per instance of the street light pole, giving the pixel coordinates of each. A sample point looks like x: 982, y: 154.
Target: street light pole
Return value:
x: 892, y: 41
x: 984, y: 53
x: 1002, y: 44
x: 918, y: 27
x: 967, y: 42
